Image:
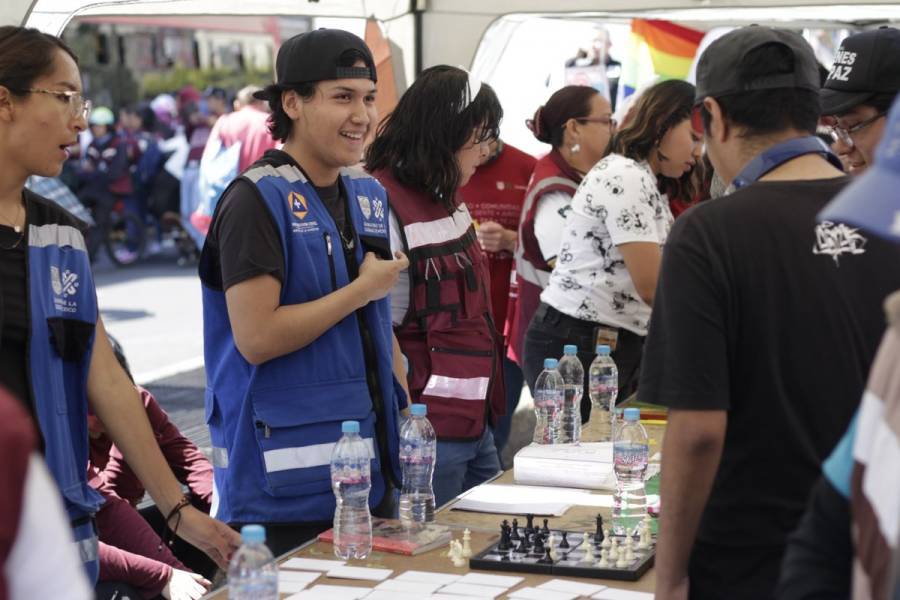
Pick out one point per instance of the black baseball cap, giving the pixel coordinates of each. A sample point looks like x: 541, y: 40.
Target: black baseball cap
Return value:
x: 866, y: 64
x: 718, y: 73
x: 314, y: 56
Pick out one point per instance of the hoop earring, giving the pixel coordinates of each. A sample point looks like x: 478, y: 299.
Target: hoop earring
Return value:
x: 575, y: 149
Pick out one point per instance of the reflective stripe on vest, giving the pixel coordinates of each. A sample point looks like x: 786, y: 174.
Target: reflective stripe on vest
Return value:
x: 525, y: 268
x: 220, y: 457
x: 88, y: 549
x: 305, y: 457
x: 439, y: 231
x: 473, y: 388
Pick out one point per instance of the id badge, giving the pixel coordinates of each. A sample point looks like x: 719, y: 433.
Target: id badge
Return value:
x: 607, y: 336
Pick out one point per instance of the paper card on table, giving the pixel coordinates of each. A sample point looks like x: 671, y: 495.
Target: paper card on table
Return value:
x: 427, y: 577
x: 617, y: 594
x: 517, y: 499
x: 576, y: 587
x: 364, y: 573
x: 446, y: 597
x: 286, y: 586
x: 411, y: 587
x: 532, y: 593
x: 331, y: 592
x: 475, y: 591
x: 394, y: 595
x: 504, y: 581
x: 304, y: 576
x: 310, y: 564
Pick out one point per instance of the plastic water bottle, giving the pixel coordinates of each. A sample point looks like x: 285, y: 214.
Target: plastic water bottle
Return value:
x: 351, y: 480
x: 418, y: 444
x: 548, y: 403
x: 631, y: 451
x: 573, y: 388
x: 252, y: 573
x: 603, y: 387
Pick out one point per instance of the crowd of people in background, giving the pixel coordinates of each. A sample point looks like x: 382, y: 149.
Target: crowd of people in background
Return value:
x: 420, y: 259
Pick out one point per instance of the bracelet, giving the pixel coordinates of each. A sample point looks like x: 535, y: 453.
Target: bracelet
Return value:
x: 169, y: 533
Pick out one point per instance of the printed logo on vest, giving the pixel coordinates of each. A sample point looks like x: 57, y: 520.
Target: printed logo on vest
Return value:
x: 369, y: 209
x: 64, y: 285
x: 298, y: 205
x: 365, y: 206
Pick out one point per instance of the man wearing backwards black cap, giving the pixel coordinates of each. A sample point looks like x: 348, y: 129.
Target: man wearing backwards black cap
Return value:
x: 297, y: 324
x: 860, y: 88
x: 763, y: 327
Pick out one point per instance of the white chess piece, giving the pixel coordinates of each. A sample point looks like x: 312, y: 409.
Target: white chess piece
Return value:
x: 467, y: 544
x: 642, y: 544
x: 606, y: 541
x: 629, y: 551
x: 603, y: 562
x: 613, y: 550
x: 622, y: 562
x: 588, y: 557
x: 456, y: 554
x: 553, y: 554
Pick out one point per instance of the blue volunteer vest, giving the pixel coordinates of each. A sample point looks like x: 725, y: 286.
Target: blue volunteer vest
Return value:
x: 63, y: 314
x: 273, y: 426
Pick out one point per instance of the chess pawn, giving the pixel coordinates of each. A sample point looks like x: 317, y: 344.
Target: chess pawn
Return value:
x: 622, y: 562
x: 588, y: 557
x: 467, y: 544
x: 644, y: 542
x: 603, y: 563
x: 606, y: 541
x: 614, y: 550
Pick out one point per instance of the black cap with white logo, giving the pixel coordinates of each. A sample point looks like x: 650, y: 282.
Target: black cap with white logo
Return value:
x: 718, y: 75
x: 866, y: 64
x: 315, y: 56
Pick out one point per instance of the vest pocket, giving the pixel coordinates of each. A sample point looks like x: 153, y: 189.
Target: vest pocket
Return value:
x: 297, y: 427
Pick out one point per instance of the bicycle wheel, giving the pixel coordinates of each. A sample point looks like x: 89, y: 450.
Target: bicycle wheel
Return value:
x: 125, y: 239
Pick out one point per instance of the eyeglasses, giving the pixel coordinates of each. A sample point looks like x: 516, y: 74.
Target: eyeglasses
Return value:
x: 608, y: 121
x: 77, y: 103
x: 845, y: 135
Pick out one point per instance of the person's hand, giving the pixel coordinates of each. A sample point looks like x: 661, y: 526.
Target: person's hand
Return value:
x: 494, y: 238
x: 213, y: 537
x: 183, y: 585
x: 675, y: 591
x: 378, y: 277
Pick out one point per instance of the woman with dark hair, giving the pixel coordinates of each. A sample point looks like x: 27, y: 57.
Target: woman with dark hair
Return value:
x: 602, y: 285
x: 577, y: 123
x: 54, y: 353
x: 423, y: 153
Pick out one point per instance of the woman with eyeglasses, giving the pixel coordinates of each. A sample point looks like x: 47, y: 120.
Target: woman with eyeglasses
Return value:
x: 577, y: 123
x: 54, y: 353
x: 423, y: 153
x: 602, y: 285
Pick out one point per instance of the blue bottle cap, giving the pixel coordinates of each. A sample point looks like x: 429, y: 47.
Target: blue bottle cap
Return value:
x: 418, y: 410
x: 253, y: 534
x: 550, y: 363
x: 570, y: 350
x: 632, y: 414
x: 603, y: 349
x: 350, y: 427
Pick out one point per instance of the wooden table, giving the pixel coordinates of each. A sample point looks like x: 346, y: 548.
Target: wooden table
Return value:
x: 484, y: 529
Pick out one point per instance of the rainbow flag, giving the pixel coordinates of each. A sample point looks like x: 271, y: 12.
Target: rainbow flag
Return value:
x: 658, y: 50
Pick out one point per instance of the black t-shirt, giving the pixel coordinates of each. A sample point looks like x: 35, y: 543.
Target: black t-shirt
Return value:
x: 14, y: 310
x: 766, y: 313
x: 243, y: 240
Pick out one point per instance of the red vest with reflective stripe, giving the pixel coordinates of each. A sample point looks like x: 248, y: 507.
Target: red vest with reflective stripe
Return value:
x: 448, y: 334
x: 532, y: 271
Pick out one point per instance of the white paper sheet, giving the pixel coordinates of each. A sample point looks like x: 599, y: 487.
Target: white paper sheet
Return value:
x: 576, y: 587
x: 331, y: 592
x: 427, y: 577
x: 504, y: 581
x: 474, y: 591
x: 310, y: 564
x: 409, y: 587
x: 616, y: 594
x: 519, y: 499
x: 364, y: 573
x: 286, y: 586
x: 395, y: 595
x: 533, y: 593
x: 305, y: 576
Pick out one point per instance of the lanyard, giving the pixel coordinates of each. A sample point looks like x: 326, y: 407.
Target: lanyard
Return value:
x: 779, y: 154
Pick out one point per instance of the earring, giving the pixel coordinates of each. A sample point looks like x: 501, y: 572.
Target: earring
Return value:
x: 575, y: 149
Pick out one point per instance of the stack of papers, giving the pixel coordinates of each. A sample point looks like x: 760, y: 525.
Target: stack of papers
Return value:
x: 586, y: 465
x: 519, y: 500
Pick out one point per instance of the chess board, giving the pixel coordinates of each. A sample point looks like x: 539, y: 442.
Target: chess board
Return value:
x: 569, y: 561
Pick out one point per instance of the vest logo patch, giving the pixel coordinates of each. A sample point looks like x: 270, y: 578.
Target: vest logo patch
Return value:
x: 64, y: 285
x: 365, y: 206
x: 298, y: 205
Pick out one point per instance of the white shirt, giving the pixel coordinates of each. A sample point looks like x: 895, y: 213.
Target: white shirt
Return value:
x: 400, y: 292
x: 618, y: 202
x: 549, y: 222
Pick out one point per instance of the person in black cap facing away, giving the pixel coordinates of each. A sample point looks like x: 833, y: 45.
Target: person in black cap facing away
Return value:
x: 297, y: 324
x: 764, y: 324
x: 859, y: 90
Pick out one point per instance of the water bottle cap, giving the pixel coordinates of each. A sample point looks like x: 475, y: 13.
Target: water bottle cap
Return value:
x: 418, y: 410
x: 632, y: 414
x: 253, y: 534
x: 603, y: 349
x: 350, y: 427
x: 570, y: 350
x: 550, y: 363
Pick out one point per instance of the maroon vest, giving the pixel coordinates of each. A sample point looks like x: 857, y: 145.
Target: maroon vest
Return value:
x: 448, y: 334
x: 551, y: 174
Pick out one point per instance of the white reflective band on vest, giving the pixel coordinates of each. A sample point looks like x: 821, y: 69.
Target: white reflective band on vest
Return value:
x: 304, y: 457
x: 288, y: 172
x: 88, y: 549
x: 524, y: 268
x: 440, y: 231
x: 473, y: 388
x: 55, y: 235
x: 220, y: 457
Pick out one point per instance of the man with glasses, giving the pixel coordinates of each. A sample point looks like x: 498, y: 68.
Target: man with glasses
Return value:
x: 860, y: 87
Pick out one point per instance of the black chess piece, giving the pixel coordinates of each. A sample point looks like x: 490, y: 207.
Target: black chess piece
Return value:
x: 545, y: 530
x: 529, y: 525
x: 565, y: 542
x: 504, y: 545
x: 598, y: 535
x: 514, y: 536
x: 546, y: 559
x: 538, y: 543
